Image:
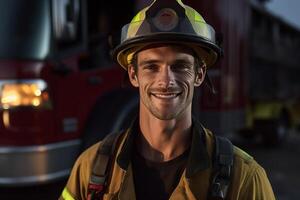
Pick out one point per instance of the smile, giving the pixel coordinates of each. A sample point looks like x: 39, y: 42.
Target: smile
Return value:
x: 165, y: 95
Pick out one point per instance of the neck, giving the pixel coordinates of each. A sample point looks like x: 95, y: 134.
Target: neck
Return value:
x: 163, y: 140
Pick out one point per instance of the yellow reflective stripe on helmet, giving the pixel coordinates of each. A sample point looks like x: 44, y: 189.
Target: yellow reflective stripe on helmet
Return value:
x: 198, y: 23
x: 136, y: 22
x: 193, y: 15
x: 66, y: 195
x: 139, y: 16
x: 180, y: 3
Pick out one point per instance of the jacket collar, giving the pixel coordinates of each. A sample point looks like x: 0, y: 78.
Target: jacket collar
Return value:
x: 198, y: 159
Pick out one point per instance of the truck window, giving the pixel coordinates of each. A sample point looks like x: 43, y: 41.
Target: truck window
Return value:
x: 104, y: 23
x: 25, y: 29
x: 66, y: 22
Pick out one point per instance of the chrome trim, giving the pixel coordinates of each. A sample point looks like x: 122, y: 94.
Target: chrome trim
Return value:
x: 29, y: 180
x: 37, y: 164
x: 37, y: 148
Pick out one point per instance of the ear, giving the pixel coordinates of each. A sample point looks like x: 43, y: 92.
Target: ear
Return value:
x: 132, y: 76
x: 200, y: 75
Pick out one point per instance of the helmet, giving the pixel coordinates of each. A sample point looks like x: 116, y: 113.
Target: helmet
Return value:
x: 166, y: 21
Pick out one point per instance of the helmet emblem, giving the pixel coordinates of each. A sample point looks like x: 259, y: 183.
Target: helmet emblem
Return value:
x: 166, y: 19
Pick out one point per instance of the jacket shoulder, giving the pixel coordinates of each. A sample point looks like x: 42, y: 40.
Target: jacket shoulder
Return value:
x: 241, y: 154
x: 238, y: 153
x: 87, y: 156
x: 250, y: 180
x: 79, y: 178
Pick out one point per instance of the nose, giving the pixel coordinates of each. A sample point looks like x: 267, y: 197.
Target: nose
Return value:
x: 166, y: 77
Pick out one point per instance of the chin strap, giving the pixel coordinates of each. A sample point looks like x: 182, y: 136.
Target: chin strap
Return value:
x: 209, y: 84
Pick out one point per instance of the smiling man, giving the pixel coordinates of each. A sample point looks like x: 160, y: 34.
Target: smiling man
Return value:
x: 165, y: 75
x: 166, y: 153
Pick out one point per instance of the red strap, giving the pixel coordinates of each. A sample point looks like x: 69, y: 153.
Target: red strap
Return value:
x: 101, y: 167
x: 95, y: 191
x: 96, y: 187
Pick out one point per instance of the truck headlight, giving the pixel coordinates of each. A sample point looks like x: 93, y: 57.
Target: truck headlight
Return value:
x: 17, y: 93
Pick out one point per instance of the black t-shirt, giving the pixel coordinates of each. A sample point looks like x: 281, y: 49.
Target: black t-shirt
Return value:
x: 157, y: 180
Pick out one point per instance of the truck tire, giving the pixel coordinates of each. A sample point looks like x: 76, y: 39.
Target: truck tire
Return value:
x: 112, y: 113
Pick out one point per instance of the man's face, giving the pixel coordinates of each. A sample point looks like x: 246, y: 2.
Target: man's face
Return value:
x: 166, y: 78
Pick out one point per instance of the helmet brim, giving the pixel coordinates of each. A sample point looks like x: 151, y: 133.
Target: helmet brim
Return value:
x: 205, y: 49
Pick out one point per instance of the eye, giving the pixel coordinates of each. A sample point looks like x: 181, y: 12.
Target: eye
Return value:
x: 181, y: 67
x: 150, y: 67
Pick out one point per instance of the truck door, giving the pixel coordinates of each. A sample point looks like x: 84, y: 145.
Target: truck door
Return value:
x: 68, y: 42
x: 83, y: 71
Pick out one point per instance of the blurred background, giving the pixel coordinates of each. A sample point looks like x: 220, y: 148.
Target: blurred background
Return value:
x: 60, y: 91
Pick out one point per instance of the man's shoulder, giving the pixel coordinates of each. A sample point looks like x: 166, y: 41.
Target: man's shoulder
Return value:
x: 241, y: 157
x: 88, y: 155
x: 250, y: 176
x: 79, y: 177
x: 246, y: 165
x: 246, y: 171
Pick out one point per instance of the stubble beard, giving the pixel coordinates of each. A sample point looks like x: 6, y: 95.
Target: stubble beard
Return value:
x: 166, y: 115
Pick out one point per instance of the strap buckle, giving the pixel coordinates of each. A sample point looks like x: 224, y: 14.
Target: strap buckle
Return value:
x: 96, y: 187
x: 219, y: 187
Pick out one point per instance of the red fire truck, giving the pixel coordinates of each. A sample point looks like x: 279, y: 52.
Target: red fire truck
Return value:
x: 58, y: 85
x: 60, y: 91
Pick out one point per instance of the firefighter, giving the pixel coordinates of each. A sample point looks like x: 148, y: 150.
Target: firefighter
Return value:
x: 166, y: 153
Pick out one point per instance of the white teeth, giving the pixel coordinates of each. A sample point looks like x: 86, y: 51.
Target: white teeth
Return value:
x: 165, y: 96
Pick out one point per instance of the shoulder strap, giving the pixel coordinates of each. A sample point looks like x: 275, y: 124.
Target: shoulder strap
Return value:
x: 222, y: 165
x: 100, y: 168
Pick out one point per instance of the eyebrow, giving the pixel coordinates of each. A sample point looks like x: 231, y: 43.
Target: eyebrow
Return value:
x: 182, y: 61
x: 177, y: 61
x: 147, y: 62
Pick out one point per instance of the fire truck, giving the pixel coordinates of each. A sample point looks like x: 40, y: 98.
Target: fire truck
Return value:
x: 58, y: 85
x: 257, y: 80
x: 60, y: 91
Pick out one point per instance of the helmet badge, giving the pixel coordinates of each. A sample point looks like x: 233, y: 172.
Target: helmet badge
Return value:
x: 166, y: 19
